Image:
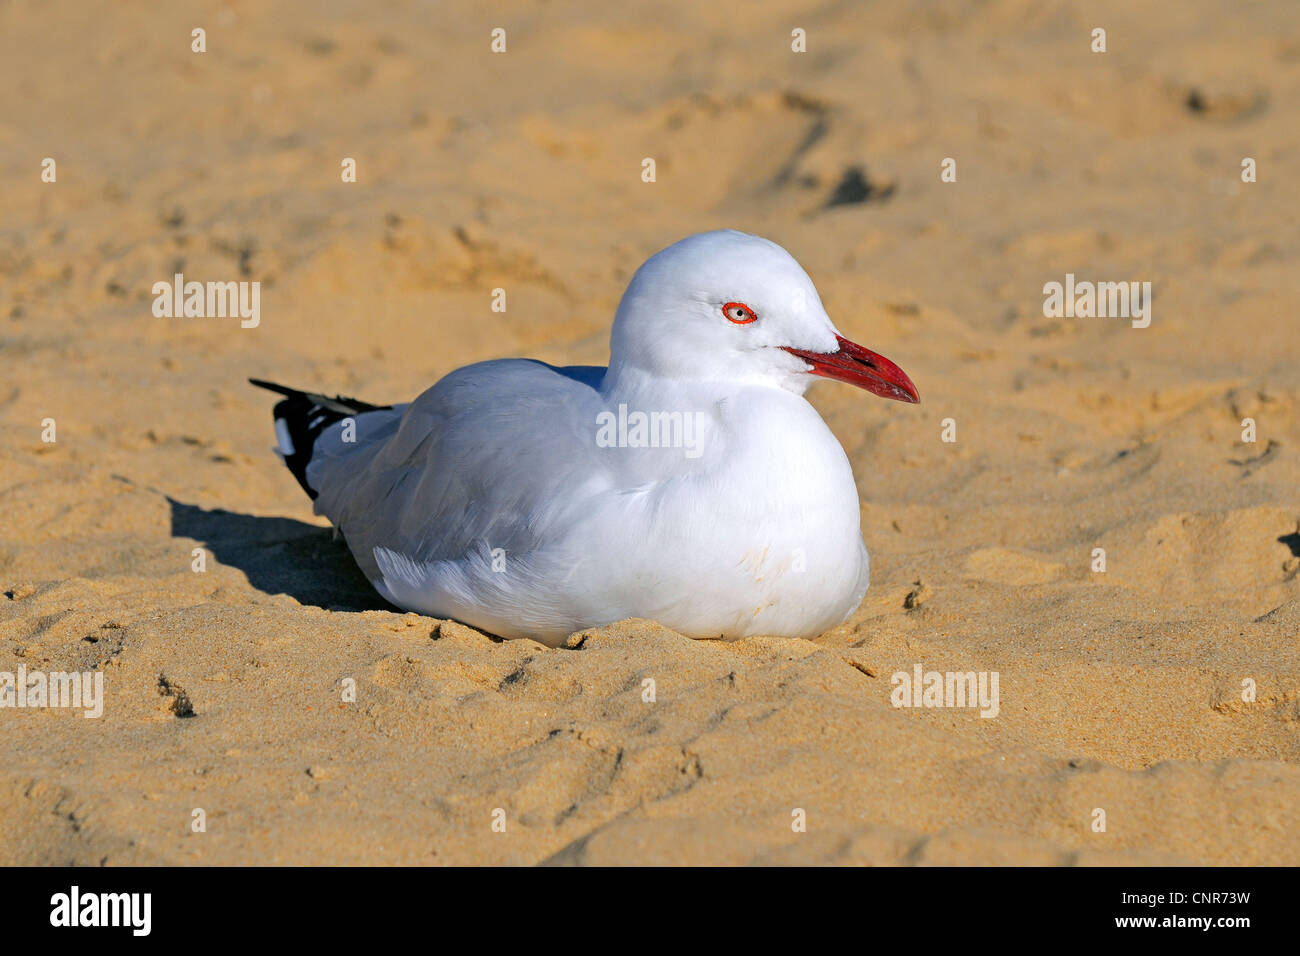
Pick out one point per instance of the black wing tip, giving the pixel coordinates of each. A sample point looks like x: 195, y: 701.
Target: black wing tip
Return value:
x: 305, y: 415
x: 339, y: 403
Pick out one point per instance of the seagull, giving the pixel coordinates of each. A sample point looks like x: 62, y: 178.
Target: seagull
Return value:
x: 689, y: 482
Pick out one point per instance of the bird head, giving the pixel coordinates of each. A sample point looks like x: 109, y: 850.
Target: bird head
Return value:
x: 734, y: 308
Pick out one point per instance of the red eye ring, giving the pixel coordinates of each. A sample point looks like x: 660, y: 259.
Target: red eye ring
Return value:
x: 739, y: 313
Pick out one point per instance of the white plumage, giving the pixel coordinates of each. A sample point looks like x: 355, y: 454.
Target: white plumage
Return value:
x: 523, y: 500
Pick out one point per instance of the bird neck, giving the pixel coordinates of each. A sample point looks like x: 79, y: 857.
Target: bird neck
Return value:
x: 624, y: 382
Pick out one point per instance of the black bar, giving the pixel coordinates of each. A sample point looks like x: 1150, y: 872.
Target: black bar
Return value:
x: 930, y: 906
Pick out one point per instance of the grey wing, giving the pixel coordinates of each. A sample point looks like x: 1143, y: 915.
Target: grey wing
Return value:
x: 489, y: 457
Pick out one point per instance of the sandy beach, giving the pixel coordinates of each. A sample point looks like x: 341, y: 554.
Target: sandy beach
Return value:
x: 1163, y: 692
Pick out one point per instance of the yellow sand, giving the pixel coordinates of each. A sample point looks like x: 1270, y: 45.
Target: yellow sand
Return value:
x: 1120, y: 691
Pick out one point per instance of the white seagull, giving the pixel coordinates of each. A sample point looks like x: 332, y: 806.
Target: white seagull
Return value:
x: 689, y: 482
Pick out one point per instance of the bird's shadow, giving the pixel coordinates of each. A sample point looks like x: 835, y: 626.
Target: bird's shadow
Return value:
x: 280, y: 556
x: 1292, y: 541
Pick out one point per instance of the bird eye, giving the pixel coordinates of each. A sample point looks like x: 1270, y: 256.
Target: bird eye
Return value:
x: 739, y: 313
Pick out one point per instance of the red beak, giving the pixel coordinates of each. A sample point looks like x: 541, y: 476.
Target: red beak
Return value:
x: 863, y: 368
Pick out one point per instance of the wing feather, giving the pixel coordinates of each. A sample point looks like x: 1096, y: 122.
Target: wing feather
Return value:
x: 477, y: 462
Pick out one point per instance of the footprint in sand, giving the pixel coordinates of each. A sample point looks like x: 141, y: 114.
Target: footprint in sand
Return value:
x: 1003, y: 566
